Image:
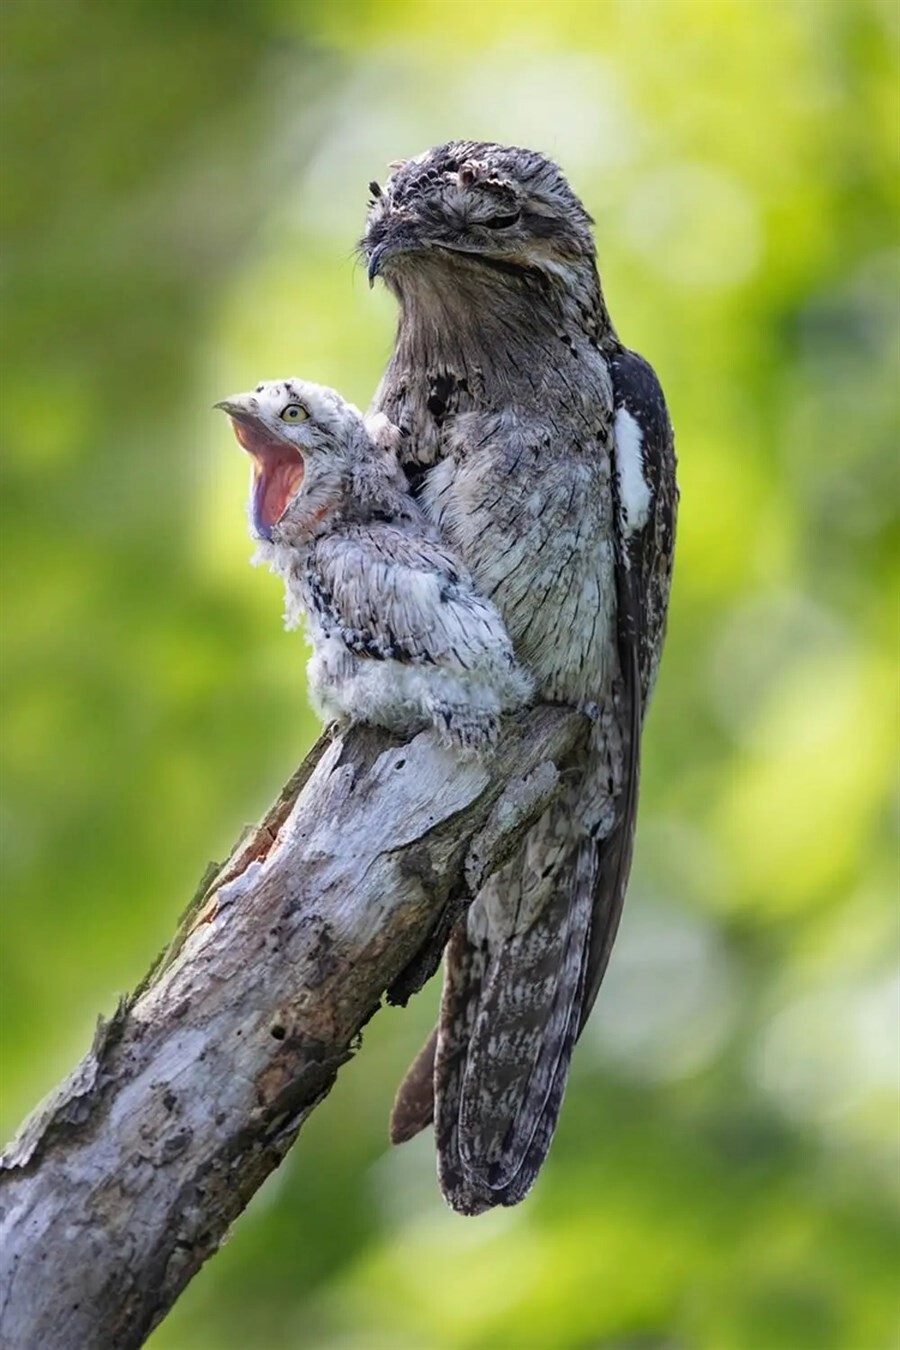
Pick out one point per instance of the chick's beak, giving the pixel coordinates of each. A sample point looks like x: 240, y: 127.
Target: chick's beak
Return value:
x: 277, y: 466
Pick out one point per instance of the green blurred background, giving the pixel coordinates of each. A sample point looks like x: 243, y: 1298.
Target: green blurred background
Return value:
x: 185, y: 181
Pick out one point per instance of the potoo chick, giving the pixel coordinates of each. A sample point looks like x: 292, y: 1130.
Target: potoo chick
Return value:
x: 401, y: 638
x: 542, y: 448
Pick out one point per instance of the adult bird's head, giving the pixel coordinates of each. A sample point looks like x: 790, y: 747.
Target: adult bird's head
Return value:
x: 481, y: 206
x: 303, y: 439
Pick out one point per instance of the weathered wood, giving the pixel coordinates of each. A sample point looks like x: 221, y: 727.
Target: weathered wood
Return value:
x: 126, y: 1179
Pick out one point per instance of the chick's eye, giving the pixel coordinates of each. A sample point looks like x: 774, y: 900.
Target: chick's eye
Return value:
x: 500, y: 222
x: 294, y: 412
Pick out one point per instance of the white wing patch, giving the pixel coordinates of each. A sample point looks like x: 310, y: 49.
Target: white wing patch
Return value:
x: 635, y: 496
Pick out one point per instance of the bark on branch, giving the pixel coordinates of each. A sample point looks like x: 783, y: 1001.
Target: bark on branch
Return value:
x: 126, y: 1179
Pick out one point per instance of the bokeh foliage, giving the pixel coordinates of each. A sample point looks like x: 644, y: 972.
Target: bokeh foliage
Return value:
x: 184, y: 186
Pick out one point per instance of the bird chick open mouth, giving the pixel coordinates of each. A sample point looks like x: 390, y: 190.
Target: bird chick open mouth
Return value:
x: 277, y: 470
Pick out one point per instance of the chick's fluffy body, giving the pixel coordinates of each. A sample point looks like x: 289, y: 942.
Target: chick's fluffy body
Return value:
x: 401, y: 636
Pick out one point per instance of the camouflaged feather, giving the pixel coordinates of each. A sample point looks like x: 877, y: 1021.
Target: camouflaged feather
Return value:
x: 505, y: 382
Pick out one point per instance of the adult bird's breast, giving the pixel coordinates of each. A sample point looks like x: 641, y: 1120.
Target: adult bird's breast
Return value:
x: 537, y: 533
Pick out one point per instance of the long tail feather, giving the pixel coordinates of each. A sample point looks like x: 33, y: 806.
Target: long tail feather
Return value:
x: 523, y: 1036
x: 463, y: 972
x: 509, y: 1019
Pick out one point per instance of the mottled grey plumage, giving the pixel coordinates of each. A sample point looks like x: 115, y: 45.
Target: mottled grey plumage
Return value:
x: 400, y: 635
x: 543, y: 450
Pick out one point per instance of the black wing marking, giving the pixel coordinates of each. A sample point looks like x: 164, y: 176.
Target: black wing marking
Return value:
x: 647, y: 555
x: 644, y: 559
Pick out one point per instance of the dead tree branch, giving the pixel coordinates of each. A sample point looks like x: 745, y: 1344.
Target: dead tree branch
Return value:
x: 126, y: 1179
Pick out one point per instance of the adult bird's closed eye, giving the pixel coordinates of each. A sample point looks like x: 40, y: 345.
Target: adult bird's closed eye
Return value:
x: 542, y: 448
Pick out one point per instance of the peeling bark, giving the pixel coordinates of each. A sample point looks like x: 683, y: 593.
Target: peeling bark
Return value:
x: 126, y: 1179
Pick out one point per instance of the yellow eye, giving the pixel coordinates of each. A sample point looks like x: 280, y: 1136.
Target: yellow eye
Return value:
x: 294, y: 412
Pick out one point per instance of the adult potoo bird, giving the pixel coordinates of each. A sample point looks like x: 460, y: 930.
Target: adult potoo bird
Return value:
x: 543, y: 450
x: 401, y: 638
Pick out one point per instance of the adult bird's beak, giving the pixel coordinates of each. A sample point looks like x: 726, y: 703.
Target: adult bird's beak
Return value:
x: 375, y: 260
x: 277, y: 465
x: 393, y: 235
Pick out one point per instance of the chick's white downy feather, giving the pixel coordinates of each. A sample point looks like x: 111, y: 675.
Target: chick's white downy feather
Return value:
x: 401, y: 636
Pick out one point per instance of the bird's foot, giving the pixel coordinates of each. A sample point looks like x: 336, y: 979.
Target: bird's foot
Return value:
x: 463, y: 729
